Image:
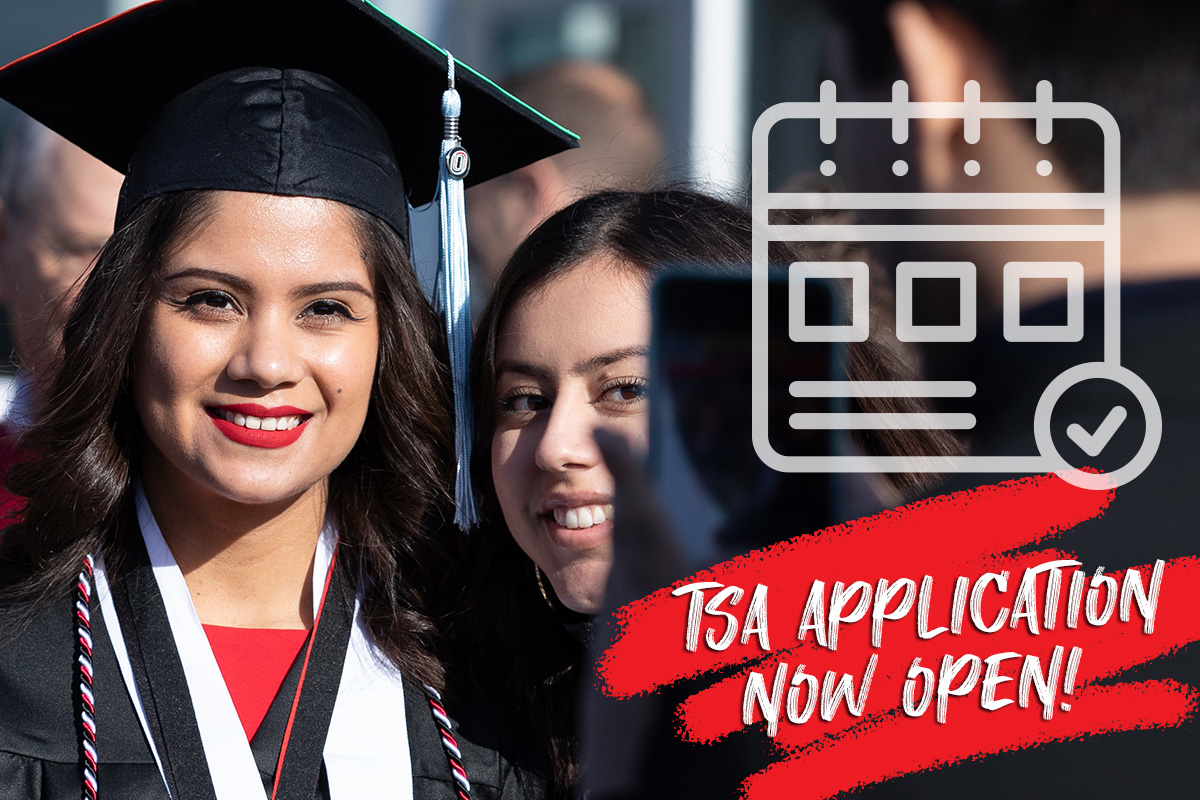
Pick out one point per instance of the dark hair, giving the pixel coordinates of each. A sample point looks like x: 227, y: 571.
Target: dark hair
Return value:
x: 1137, y: 60
x: 388, y: 496
x: 646, y: 231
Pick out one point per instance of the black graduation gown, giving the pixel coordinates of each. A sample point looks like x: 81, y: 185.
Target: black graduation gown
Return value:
x: 39, y: 723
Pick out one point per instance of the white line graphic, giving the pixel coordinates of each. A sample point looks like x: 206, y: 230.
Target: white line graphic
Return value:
x: 1043, y: 111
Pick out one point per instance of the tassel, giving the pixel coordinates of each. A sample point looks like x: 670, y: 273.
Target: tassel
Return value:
x: 454, y: 292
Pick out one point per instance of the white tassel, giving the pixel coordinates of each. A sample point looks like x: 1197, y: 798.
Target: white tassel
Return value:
x: 454, y: 292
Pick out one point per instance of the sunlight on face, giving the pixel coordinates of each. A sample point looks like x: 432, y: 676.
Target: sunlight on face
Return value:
x: 256, y: 357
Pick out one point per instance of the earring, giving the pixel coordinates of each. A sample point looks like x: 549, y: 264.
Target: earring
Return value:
x: 537, y: 574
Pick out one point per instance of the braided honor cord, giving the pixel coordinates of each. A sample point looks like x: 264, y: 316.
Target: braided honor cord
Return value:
x: 83, y: 628
x: 453, y: 754
x: 87, y: 735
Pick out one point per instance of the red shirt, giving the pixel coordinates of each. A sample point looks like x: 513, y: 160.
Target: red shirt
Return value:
x: 254, y: 662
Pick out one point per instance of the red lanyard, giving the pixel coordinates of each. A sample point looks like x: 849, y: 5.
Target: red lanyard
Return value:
x: 312, y: 637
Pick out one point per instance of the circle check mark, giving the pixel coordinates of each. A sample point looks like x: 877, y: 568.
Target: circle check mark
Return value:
x: 1093, y: 443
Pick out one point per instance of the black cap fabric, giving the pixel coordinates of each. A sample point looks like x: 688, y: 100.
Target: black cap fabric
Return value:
x: 284, y: 132
x: 321, y: 98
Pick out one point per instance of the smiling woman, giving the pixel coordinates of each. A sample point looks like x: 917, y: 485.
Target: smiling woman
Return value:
x: 561, y: 352
x: 555, y: 494
x: 219, y: 339
x: 225, y: 581
x: 255, y: 363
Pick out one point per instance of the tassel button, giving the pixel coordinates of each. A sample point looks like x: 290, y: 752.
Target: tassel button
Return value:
x: 458, y: 163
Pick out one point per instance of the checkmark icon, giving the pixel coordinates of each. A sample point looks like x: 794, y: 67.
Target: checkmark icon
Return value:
x: 1093, y: 443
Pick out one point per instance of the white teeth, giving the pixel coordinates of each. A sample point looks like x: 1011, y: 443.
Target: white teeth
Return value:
x: 583, y: 516
x: 264, y: 423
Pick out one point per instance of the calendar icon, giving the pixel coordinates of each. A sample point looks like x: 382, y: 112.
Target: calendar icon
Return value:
x: 1101, y: 227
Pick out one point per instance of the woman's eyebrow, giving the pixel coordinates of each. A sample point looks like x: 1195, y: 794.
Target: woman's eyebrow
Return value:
x: 229, y: 279
x: 582, y: 368
x: 522, y: 368
x: 598, y: 362
x: 326, y: 287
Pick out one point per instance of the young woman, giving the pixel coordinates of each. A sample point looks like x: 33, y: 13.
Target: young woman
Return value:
x: 562, y: 349
x: 221, y: 585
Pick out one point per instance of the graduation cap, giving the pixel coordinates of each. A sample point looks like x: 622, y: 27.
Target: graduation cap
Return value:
x: 316, y: 98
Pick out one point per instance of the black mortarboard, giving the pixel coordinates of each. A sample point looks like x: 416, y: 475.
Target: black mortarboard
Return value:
x: 271, y: 126
x: 314, y: 98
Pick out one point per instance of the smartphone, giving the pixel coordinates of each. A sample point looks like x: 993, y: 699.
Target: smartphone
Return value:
x: 723, y: 500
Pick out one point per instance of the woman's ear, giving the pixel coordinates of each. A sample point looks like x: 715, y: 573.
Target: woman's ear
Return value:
x: 939, y: 52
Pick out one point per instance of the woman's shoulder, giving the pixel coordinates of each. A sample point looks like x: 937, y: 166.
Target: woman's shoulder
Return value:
x: 39, y: 686
x: 37, y: 659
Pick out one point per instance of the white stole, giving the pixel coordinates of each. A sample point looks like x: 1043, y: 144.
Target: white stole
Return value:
x: 366, y: 750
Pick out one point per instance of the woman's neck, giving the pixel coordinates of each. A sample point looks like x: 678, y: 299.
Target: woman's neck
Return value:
x: 246, y: 566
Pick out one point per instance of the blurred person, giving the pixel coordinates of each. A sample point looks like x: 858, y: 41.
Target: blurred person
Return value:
x: 1138, y: 61
x: 620, y: 148
x: 57, y: 205
x: 561, y: 351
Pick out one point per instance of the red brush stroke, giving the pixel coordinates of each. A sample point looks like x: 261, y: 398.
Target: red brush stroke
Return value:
x: 967, y: 533
x: 897, y: 745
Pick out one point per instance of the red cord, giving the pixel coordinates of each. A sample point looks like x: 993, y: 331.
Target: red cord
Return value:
x: 287, y: 733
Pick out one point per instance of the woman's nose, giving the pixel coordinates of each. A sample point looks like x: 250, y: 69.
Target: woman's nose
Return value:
x: 267, y: 353
x: 568, y: 440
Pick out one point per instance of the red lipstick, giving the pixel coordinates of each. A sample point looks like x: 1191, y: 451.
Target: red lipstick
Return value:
x: 258, y: 437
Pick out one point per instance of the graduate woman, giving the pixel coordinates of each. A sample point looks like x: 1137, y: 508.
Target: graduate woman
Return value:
x: 220, y: 584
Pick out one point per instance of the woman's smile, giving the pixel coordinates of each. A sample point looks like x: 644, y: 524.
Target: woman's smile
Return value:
x: 581, y: 517
x: 255, y: 425
x: 577, y: 521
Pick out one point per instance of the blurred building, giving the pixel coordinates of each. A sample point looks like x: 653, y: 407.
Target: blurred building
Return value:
x: 708, y: 66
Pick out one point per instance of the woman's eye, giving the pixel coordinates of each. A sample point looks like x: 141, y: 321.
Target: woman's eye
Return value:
x: 523, y: 403
x: 327, y: 313
x: 210, y: 298
x: 625, y: 391
x: 328, y: 308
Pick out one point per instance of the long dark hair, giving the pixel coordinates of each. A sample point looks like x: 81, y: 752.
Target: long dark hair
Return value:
x: 388, y: 496
x: 644, y: 231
